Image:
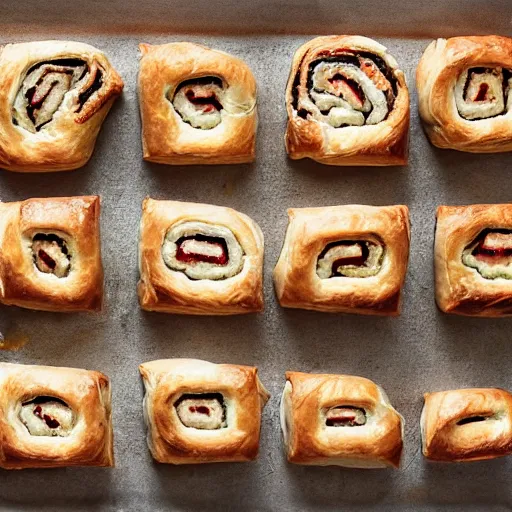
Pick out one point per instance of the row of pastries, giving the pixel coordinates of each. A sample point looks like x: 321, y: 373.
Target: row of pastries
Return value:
x: 200, y: 412
x: 208, y: 260
x: 347, y: 102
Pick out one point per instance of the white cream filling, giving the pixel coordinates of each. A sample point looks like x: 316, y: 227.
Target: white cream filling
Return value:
x: 347, y: 108
x: 201, y: 413
x: 199, y: 116
x: 370, y: 268
x: 54, y: 251
x: 203, y: 248
x: 492, y: 105
x: 52, y: 82
x: 39, y: 418
x: 495, y: 240
x: 202, y: 269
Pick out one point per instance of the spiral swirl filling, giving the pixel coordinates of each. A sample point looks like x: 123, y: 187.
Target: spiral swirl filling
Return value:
x: 490, y: 254
x: 350, y: 258
x: 45, y: 87
x: 345, y: 416
x: 347, y: 89
x: 199, y: 102
x: 51, y: 254
x: 203, y: 251
x: 47, y: 416
x: 204, y: 411
x: 483, y: 93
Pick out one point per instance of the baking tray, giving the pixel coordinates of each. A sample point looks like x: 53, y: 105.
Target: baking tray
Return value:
x: 422, y: 350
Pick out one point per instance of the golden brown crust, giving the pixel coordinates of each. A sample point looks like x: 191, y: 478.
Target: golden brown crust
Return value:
x: 378, y: 443
x: 166, y: 138
x: 74, y: 218
x: 171, y: 442
x: 438, y: 70
x: 444, y: 439
x: 163, y: 289
x: 67, y: 142
x: 461, y: 289
x: 311, y: 229
x: 385, y: 143
x: 87, y: 393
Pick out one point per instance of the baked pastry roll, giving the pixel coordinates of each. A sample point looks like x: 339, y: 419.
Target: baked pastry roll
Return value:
x: 51, y: 417
x: 54, y: 96
x: 50, y: 254
x: 464, y: 93
x: 198, y: 106
x: 199, y: 412
x: 339, y: 420
x: 349, y: 259
x: 473, y: 259
x: 467, y: 424
x: 199, y: 259
x: 347, y: 103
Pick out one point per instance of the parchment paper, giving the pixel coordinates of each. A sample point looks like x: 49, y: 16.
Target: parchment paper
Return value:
x: 420, y: 351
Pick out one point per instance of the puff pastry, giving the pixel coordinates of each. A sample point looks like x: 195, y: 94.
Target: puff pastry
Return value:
x: 54, y: 96
x: 473, y: 259
x: 51, y: 417
x: 199, y: 259
x: 50, y: 254
x: 199, y: 412
x: 350, y: 259
x: 339, y: 420
x: 198, y: 106
x: 347, y: 103
x: 464, y: 93
x: 467, y: 424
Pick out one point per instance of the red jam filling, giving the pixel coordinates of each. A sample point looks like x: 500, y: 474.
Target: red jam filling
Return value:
x: 47, y: 259
x: 51, y: 422
x: 482, y: 92
x: 36, y: 101
x: 201, y: 409
x: 210, y: 102
x: 346, y: 416
x: 481, y: 250
x: 494, y: 248
x: 185, y: 256
x: 338, y: 79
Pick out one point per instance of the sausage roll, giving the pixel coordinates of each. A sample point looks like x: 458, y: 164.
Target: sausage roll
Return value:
x: 198, y: 106
x: 473, y: 259
x: 199, y: 412
x: 199, y: 259
x: 50, y: 254
x: 54, y: 96
x: 51, y: 417
x: 467, y: 424
x: 350, y: 259
x: 347, y: 103
x: 464, y: 86
x: 339, y: 420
